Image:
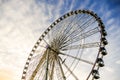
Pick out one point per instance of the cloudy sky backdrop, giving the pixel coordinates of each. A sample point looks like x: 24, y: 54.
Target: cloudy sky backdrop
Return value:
x: 23, y: 21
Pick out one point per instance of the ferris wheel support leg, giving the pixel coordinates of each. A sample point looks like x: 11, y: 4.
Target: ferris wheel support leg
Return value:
x: 63, y: 75
x: 38, y: 66
x: 47, y: 57
x: 52, y: 71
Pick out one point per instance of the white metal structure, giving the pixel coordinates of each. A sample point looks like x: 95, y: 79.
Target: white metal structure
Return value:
x: 71, y: 48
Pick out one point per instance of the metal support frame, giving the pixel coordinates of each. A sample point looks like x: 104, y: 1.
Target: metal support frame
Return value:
x: 47, y: 65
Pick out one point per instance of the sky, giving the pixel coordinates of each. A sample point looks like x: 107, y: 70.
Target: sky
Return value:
x: 23, y: 21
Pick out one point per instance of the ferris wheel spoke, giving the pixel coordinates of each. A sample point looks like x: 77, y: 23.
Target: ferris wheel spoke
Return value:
x: 43, y: 46
x: 52, y: 71
x: 46, y: 43
x: 73, y: 23
x: 49, y: 37
x: 41, y: 70
x: 82, y: 36
x: 86, y: 34
x: 69, y: 27
x: 86, y: 24
x: 76, y: 33
x: 36, y: 56
x: 85, y: 20
x: 61, y: 75
x: 81, y: 27
x: 47, y: 63
x: 65, y: 27
x: 38, y: 66
x: 71, y: 72
x: 82, y: 60
x: 81, y: 46
x: 60, y: 34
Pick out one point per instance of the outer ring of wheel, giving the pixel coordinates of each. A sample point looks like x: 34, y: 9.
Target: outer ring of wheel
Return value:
x: 100, y: 24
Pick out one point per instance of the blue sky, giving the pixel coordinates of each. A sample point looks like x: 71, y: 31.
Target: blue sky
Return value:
x: 23, y: 21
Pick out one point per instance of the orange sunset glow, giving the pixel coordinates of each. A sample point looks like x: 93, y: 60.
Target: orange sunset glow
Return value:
x: 6, y: 74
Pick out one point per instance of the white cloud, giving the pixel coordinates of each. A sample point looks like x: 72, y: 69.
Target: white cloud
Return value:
x: 21, y: 24
x: 72, y: 5
x: 118, y: 62
x: 110, y: 21
x: 84, y: 4
x: 109, y: 69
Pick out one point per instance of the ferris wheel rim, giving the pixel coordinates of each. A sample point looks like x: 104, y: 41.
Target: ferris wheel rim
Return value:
x: 91, y: 13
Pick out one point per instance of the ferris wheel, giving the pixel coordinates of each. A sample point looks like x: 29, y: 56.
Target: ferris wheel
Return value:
x: 71, y: 48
